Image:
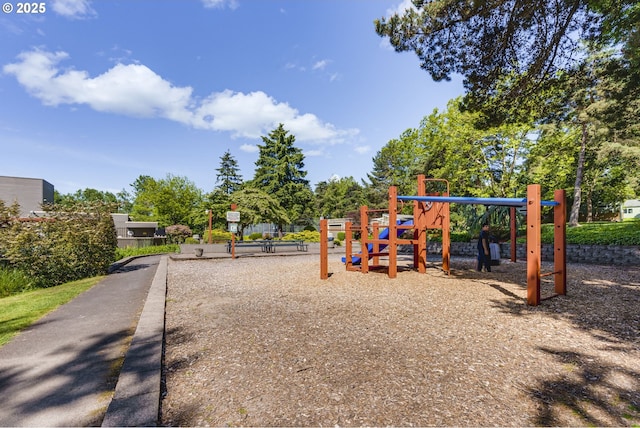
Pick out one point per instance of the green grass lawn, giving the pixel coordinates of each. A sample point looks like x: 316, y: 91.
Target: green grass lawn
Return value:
x: 19, y: 311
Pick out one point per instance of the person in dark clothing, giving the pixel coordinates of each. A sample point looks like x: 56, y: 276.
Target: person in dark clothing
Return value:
x: 484, y: 253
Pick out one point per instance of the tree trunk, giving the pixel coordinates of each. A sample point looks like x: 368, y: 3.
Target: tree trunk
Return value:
x: 577, y: 188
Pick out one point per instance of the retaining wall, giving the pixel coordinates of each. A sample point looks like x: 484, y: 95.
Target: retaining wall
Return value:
x: 596, y: 254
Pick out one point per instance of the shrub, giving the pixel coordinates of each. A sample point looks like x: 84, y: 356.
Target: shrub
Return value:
x: 306, y: 235
x: 255, y: 235
x: 217, y: 235
x: 460, y: 237
x: 121, y: 253
x: 191, y: 240
x: 624, y: 233
x: 178, y: 233
x: 64, y: 246
x: 341, y: 236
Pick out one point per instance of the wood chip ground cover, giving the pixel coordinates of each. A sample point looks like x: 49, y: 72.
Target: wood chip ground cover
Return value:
x: 264, y: 342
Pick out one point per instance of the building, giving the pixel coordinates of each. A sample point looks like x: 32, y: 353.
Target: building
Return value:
x: 125, y: 228
x: 630, y: 209
x: 337, y: 224
x: 29, y: 193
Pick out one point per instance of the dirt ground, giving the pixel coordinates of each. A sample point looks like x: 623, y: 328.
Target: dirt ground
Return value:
x: 264, y: 342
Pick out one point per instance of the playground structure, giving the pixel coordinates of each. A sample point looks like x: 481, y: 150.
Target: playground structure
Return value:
x: 431, y: 211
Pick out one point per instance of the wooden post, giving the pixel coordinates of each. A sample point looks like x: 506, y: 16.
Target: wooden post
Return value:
x: 420, y: 228
x: 324, y: 249
x: 348, y: 246
x: 514, y: 233
x: 560, y: 242
x: 364, y: 239
x: 393, y: 232
x: 375, y: 261
x: 533, y: 244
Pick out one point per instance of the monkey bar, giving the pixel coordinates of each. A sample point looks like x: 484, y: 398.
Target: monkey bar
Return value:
x: 509, y: 202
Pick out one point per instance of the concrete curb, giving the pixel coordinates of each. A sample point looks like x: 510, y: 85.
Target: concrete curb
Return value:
x: 137, y: 395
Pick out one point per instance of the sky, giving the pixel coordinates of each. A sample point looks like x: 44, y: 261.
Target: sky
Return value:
x: 95, y: 93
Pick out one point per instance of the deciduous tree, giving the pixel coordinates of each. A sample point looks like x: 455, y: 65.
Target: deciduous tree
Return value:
x: 257, y: 206
x: 338, y: 197
x: 169, y: 201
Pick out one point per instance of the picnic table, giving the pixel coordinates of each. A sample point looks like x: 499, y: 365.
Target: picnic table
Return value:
x: 269, y: 245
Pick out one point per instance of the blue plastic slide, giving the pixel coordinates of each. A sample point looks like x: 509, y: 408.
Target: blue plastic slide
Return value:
x: 384, y: 234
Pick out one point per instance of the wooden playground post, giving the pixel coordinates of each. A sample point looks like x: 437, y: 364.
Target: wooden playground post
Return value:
x: 348, y: 245
x: 560, y: 242
x: 364, y: 239
x: 420, y: 228
x: 375, y: 260
x: 393, y: 235
x: 533, y: 244
x: 324, y: 249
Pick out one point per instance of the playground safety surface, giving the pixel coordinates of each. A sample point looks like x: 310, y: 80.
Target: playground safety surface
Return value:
x: 266, y: 342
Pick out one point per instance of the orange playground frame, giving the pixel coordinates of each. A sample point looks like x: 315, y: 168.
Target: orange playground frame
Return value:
x: 431, y: 211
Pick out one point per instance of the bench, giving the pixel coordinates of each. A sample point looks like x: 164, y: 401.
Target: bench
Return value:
x: 300, y: 245
x: 243, y: 244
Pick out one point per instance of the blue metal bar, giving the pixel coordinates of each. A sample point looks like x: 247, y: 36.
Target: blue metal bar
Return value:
x: 509, y: 202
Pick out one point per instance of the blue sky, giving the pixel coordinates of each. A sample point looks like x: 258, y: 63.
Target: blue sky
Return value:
x: 95, y: 93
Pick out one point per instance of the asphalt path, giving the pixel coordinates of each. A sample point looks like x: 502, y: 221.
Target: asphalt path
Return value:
x: 62, y: 371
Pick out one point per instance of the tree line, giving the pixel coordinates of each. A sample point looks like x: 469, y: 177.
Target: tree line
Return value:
x: 485, y: 162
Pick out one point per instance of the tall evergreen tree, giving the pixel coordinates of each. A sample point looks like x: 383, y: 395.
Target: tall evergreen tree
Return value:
x: 280, y: 173
x: 228, y: 178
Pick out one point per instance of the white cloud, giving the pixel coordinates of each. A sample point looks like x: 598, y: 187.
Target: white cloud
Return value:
x: 209, y: 4
x: 320, y: 65
x: 75, y: 9
x: 133, y: 90
x: 249, y: 148
x: 136, y: 90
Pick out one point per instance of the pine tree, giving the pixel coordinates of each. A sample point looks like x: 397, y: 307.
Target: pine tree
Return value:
x: 228, y: 177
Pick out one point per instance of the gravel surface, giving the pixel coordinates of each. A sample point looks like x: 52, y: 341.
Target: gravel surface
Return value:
x: 264, y: 342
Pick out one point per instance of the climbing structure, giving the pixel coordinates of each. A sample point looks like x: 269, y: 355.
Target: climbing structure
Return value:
x: 431, y: 211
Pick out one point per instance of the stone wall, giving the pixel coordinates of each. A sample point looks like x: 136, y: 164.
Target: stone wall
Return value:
x: 596, y: 254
